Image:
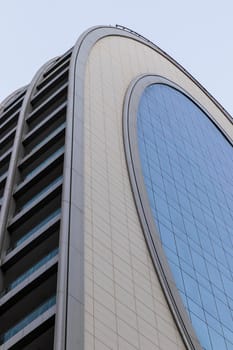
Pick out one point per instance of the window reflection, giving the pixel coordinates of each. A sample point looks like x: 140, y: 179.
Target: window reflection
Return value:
x: 28, y: 319
x: 35, y: 228
x: 187, y: 166
x: 44, y: 163
x: 30, y: 271
x: 40, y: 193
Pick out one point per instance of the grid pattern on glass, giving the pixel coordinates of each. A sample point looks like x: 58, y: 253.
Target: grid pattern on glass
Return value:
x: 187, y: 166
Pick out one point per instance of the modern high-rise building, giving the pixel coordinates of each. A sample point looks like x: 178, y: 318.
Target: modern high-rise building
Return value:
x: 116, y: 204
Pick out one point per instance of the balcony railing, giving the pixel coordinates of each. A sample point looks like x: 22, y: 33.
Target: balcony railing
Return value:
x: 34, y: 229
x: 28, y: 319
x: 29, y: 272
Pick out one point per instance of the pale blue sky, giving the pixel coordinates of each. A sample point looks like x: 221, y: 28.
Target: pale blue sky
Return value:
x: 198, y: 34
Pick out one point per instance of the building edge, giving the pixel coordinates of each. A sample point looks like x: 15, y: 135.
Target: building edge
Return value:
x: 71, y: 298
x: 72, y: 202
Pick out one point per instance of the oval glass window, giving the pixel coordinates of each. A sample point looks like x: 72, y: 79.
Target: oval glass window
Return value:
x: 187, y: 166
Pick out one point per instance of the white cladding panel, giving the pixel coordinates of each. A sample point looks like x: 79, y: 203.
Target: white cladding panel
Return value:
x: 124, y: 305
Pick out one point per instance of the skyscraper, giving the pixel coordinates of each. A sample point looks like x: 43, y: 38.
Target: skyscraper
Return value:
x: 116, y: 204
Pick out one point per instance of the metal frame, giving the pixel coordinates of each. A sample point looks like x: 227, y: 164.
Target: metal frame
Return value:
x: 150, y: 231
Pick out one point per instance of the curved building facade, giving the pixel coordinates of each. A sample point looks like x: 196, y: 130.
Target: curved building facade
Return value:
x: 116, y: 204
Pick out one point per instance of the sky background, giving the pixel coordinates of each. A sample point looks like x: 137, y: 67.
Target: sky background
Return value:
x: 198, y: 34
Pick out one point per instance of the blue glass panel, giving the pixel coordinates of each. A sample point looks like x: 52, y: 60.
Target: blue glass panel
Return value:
x: 28, y: 319
x: 187, y: 166
x: 46, y: 188
x: 45, y: 162
x: 48, y: 137
x: 30, y: 271
x: 36, y: 228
